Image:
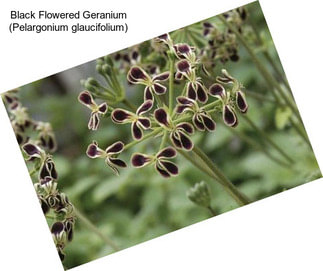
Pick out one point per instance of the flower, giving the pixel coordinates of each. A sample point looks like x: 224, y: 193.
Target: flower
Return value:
x: 46, y: 136
x: 179, y: 133
x: 194, y: 88
x: 93, y: 151
x: 164, y: 167
x: 86, y: 98
x: 201, y: 119
x: 138, y: 122
x: 33, y: 151
x: 137, y: 75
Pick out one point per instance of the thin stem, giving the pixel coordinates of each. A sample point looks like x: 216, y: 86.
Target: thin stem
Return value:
x: 171, y: 82
x: 135, y: 142
x: 33, y: 171
x: 268, y: 139
x: 212, y: 211
x: 94, y: 229
x: 164, y: 139
x: 240, y: 198
x: 129, y: 104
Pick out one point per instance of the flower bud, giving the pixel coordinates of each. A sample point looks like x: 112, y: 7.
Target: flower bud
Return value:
x: 200, y: 194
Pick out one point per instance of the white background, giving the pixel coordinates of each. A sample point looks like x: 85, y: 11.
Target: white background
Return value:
x: 283, y: 232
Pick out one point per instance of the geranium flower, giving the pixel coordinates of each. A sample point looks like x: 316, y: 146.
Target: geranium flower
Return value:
x: 179, y: 134
x: 86, y: 98
x: 137, y: 75
x: 138, y: 122
x: 194, y: 88
x: 201, y: 119
x: 161, y: 161
x: 93, y: 151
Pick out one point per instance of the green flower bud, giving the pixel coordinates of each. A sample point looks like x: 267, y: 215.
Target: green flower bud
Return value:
x: 107, y: 69
x: 200, y: 194
x: 108, y: 60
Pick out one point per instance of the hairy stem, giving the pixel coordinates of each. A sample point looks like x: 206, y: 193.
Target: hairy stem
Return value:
x: 94, y: 229
x: 171, y: 82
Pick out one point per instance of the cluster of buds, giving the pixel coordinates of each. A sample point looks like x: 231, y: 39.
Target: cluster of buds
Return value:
x: 37, y: 149
x: 194, y: 110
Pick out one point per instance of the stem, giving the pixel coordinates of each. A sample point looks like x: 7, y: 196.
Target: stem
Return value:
x: 127, y: 103
x: 269, y: 140
x: 171, y: 82
x: 212, y: 211
x: 94, y: 229
x: 135, y: 142
x: 163, y: 142
x: 240, y: 198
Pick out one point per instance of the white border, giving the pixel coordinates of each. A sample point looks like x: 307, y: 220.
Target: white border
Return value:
x: 283, y: 232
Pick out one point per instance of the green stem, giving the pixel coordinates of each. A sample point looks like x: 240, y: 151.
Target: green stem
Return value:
x: 94, y: 229
x: 171, y: 82
x: 212, y: 211
x: 268, y: 139
x: 163, y: 142
x: 129, y: 104
x: 240, y: 198
x: 135, y: 142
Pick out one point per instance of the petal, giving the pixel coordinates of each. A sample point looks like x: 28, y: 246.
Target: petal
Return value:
x: 229, y: 116
x: 116, y: 147
x: 241, y: 102
x: 186, y: 142
x: 93, y: 151
x: 136, y: 131
x: 168, y: 152
x: 32, y: 150
x: 191, y: 93
x: 184, y: 100
x: 57, y: 228
x: 137, y: 75
x: 144, y: 123
x: 86, y: 98
x: 161, y: 116
x: 183, y: 66
x: 112, y: 166
x: 161, y: 77
x: 175, y: 138
x: 159, y: 89
x: 140, y: 160
x: 121, y: 116
x: 208, y: 122
x: 198, y: 123
x: 182, y: 108
x: 103, y: 108
x: 164, y: 38
x: 170, y: 167
x: 178, y: 76
x: 94, y: 121
x: 201, y: 93
x: 145, y: 107
x: 148, y: 94
x: 162, y: 171
x: 187, y: 127
x: 117, y: 162
x: 207, y: 25
x: 217, y: 90
x: 183, y: 49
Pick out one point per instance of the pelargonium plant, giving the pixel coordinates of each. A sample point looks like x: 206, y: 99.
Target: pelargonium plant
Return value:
x: 171, y: 114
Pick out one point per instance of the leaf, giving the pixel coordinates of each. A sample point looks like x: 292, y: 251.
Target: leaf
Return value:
x: 282, y: 116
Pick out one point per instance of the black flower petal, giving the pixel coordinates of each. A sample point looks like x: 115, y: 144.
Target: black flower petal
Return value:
x: 183, y: 66
x: 241, y: 102
x: 162, y: 171
x: 145, y: 107
x: 120, y: 115
x: 170, y: 167
x: 94, y: 121
x: 198, y: 122
x: 31, y: 149
x: 187, y: 127
x: 118, y: 162
x: 201, y: 93
x: 191, y: 92
x: 140, y: 160
x: 208, y: 122
x: 217, y: 90
x: 57, y: 228
x: 186, y: 141
x: 136, y: 131
x: 175, y: 138
x: 148, y: 94
x: 229, y: 116
x: 184, y: 100
x: 103, y: 108
x: 181, y: 108
x: 161, y: 77
x: 137, y: 74
x: 144, y: 122
x: 116, y: 147
x: 161, y: 116
x: 159, y: 89
x: 85, y: 98
x: 168, y: 152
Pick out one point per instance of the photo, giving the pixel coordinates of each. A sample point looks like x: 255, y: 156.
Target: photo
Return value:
x: 161, y: 135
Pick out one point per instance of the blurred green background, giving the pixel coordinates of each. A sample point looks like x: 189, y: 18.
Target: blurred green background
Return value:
x: 139, y: 204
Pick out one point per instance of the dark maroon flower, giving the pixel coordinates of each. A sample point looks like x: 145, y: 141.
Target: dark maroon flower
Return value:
x: 47, y: 169
x: 163, y: 38
x: 241, y: 102
x: 137, y: 75
x: 57, y: 229
x: 110, y: 153
x: 229, y: 116
x: 161, y: 160
x: 196, y: 91
x: 33, y: 151
x: 217, y: 90
x: 86, y: 98
x: 183, y: 66
x: 138, y: 121
x: 46, y: 136
x: 183, y: 50
x: 226, y: 78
